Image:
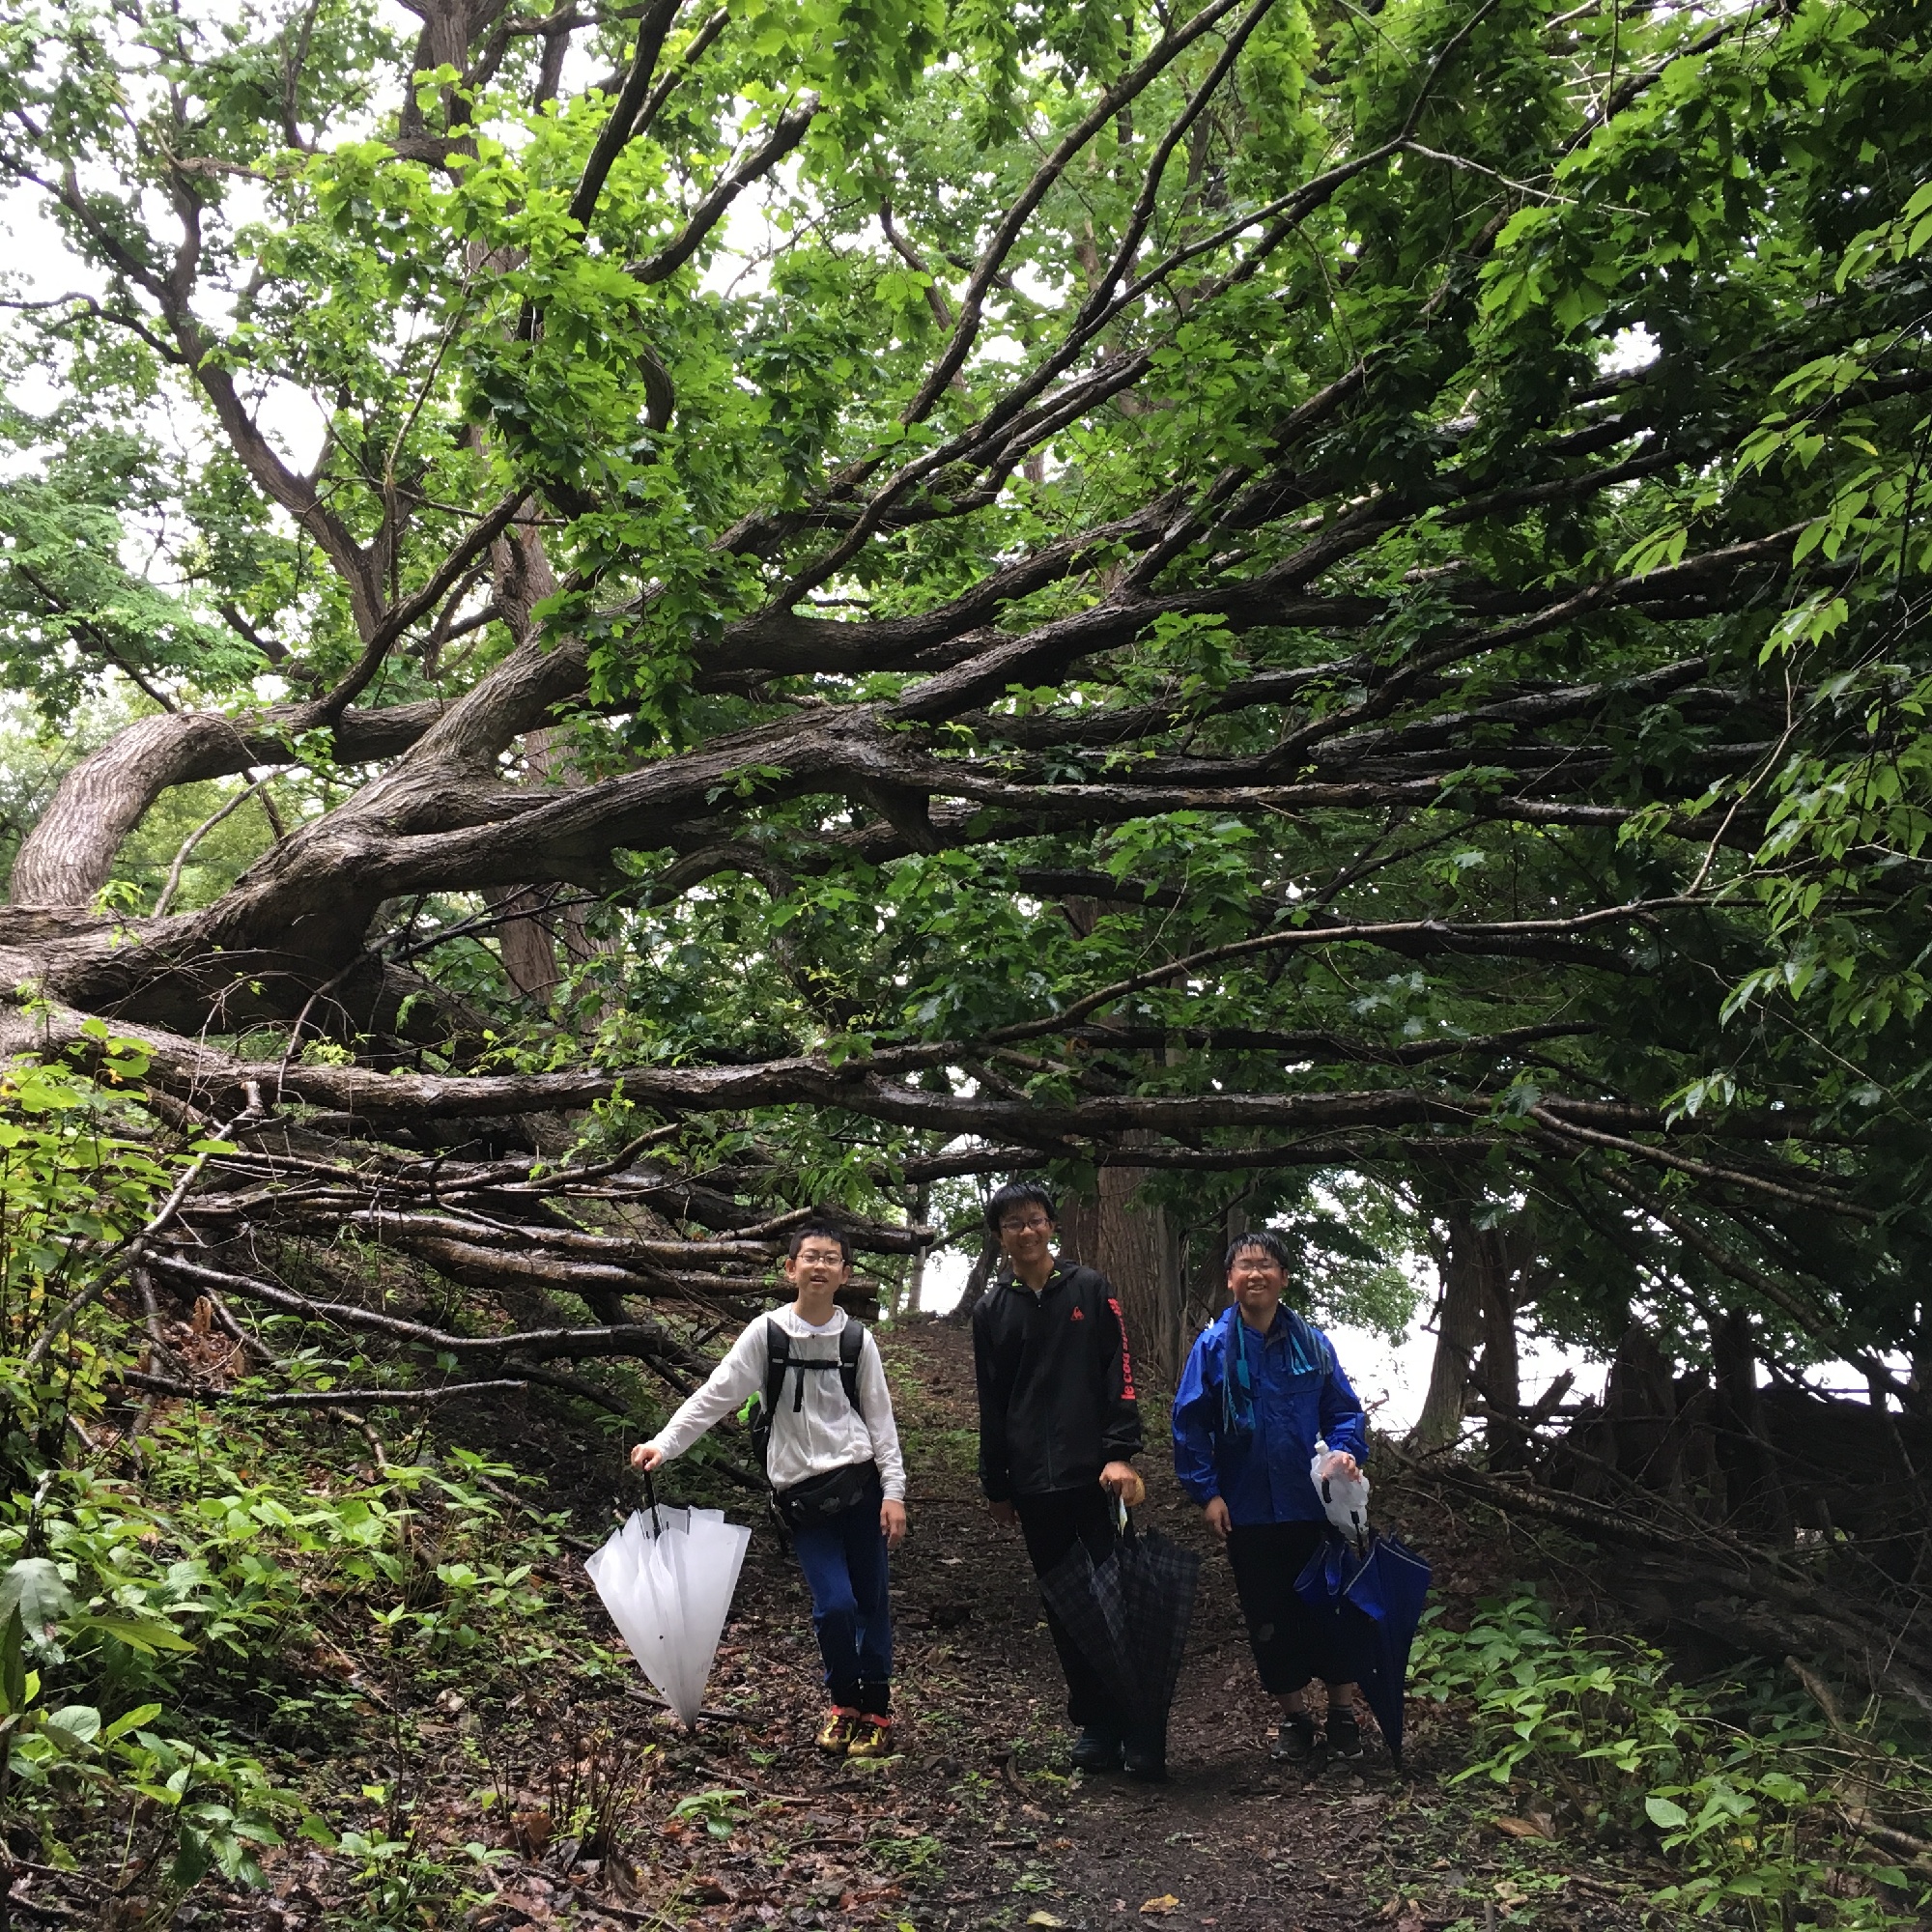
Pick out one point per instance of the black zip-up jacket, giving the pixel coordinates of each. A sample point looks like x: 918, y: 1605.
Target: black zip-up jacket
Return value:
x: 1056, y: 1384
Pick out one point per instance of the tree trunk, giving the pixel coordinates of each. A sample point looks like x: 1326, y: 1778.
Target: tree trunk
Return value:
x: 1500, y: 1373
x: 524, y: 942
x: 1139, y: 1255
x: 978, y: 1281
x: 1079, y: 1231
x: 1203, y: 1263
x: 1460, y: 1331
x: 1640, y: 1405
x: 69, y: 854
x: 1753, y: 1493
x: 915, y: 1279
x: 522, y: 576
x: 1134, y: 1246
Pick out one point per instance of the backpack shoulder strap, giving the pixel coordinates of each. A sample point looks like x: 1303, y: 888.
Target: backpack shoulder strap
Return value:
x: 851, y: 1343
x: 778, y: 1358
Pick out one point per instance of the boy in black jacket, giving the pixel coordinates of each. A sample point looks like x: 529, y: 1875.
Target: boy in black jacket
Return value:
x: 1057, y: 1426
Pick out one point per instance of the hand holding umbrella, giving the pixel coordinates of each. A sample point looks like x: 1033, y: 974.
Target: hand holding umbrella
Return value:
x: 1343, y: 1490
x: 1129, y: 1613
x: 1377, y: 1583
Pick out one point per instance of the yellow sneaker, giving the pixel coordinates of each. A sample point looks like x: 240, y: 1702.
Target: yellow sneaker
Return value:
x: 835, y: 1736
x: 872, y: 1738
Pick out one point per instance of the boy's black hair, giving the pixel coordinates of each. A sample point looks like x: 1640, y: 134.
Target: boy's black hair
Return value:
x: 1265, y: 1239
x: 1019, y: 1194
x: 825, y: 1231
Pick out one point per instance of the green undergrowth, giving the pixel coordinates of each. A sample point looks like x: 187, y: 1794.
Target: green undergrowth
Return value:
x: 210, y: 1614
x: 187, y: 1654
x: 1749, y: 1798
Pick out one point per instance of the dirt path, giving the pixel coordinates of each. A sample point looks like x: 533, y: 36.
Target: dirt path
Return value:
x: 980, y: 1823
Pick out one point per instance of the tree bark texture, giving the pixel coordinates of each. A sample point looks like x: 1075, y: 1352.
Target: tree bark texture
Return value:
x: 979, y: 1277
x: 1136, y: 1248
x: 69, y: 854
x: 1463, y: 1264
x: 1498, y: 1375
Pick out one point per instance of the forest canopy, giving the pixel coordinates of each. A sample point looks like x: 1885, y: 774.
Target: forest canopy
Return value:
x: 1295, y: 609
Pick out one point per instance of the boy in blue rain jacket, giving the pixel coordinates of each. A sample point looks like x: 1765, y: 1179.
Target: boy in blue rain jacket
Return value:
x: 1260, y: 1387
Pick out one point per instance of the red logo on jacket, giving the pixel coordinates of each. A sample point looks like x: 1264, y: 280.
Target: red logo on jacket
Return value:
x: 1127, y: 1354
x: 1079, y: 1315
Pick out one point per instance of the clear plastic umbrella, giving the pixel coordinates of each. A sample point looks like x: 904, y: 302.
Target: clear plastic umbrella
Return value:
x: 667, y: 1578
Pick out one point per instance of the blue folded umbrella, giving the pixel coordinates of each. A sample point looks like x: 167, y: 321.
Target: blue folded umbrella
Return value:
x: 1379, y: 1596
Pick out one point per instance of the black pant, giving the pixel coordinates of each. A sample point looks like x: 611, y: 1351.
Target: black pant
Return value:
x: 1291, y: 1642
x: 1052, y: 1525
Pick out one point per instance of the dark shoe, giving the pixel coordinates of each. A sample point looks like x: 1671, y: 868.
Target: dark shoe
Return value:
x: 1345, y: 1735
x: 1096, y: 1749
x: 1295, y: 1742
x: 1146, y: 1763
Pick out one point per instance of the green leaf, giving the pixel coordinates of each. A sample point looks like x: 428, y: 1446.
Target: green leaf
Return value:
x: 33, y: 1587
x: 146, y: 1635
x: 77, y: 1723
x: 130, y: 1720
x: 13, y: 1663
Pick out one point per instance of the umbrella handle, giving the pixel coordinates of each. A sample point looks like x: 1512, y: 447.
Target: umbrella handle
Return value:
x: 651, y: 1502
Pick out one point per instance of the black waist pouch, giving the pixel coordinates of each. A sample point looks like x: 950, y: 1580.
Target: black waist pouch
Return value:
x: 819, y: 1499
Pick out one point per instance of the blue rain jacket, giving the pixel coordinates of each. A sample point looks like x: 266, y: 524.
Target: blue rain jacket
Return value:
x: 1298, y: 1392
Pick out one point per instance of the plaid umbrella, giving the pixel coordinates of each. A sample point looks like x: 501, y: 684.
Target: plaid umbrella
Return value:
x: 1129, y: 1615
x: 1380, y: 1595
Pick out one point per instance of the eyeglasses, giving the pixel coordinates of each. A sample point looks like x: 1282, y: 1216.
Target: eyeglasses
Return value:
x: 1031, y: 1224
x: 820, y: 1258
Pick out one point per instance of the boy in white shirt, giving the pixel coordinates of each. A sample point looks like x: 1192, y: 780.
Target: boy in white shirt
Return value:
x: 833, y: 1459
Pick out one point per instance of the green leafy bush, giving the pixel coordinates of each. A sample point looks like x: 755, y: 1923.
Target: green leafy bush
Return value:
x: 1734, y: 1783
x: 160, y: 1575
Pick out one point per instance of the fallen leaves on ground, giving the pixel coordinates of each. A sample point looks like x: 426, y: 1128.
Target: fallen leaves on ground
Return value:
x: 1537, y: 1826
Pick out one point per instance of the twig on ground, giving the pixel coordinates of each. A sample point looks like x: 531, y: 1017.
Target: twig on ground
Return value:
x: 706, y: 1711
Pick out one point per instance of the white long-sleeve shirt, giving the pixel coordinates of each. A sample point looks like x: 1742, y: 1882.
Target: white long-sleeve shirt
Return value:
x: 827, y: 1433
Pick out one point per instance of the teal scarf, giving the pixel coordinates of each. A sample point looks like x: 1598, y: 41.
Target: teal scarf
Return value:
x: 1307, y: 1354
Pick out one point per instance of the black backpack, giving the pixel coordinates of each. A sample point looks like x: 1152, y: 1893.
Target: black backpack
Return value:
x: 779, y: 1358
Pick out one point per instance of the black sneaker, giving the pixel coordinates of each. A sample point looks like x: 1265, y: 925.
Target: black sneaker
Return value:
x: 1295, y: 1742
x: 1345, y: 1735
x: 1146, y: 1763
x: 1096, y: 1749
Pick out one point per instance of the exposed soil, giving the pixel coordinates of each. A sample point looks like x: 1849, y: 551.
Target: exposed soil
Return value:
x: 569, y: 1783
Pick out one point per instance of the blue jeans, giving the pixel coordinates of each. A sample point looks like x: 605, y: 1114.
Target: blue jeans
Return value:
x: 845, y: 1570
